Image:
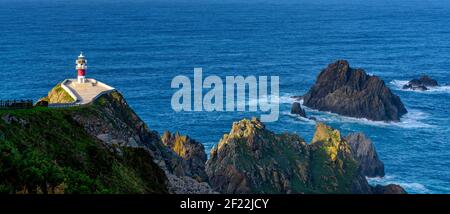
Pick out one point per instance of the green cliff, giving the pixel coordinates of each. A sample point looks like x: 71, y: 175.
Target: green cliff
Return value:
x: 45, y: 150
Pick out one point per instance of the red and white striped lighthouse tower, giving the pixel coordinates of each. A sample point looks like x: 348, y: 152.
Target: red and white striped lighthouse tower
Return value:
x: 81, y: 68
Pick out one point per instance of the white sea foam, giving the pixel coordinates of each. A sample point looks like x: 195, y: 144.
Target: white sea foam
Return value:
x: 298, y: 118
x: 413, y: 119
x: 410, y: 187
x: 283, y: 99
x: 398, y: 85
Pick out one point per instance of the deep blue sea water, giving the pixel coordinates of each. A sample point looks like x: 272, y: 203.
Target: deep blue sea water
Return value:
x: 139, y: 46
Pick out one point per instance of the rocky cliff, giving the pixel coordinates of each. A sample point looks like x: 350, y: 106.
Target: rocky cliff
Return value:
x: 100, y: 147
x: 113, y: 122
x: 189, y: 150
x: 351, y: 92
x: 46, y: 150
x: 252, y: 159
x: 104, y: 147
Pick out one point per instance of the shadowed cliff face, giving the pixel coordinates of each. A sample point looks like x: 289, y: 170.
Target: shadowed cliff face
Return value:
x: 189, y: 150
x: 351, y: 92
x: 252, y: 159
x: 364, y: 152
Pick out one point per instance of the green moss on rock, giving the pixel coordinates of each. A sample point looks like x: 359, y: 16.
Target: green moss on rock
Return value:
x: 252, y: 159
x: 58, y: 95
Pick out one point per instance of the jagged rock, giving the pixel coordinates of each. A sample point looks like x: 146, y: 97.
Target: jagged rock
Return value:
x: 421, y: 84
x: 388, y: 189
x: 351, y: 92
x: 364, y: 152
x: 187, y: 185
x: 297, y: 109
x: 252, y: 159
x: 190, y: 150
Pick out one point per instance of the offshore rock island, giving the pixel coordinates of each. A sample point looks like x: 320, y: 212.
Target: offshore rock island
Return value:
x: 351, y: 92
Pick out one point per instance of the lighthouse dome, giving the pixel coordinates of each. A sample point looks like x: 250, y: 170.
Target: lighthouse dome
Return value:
x: 81, y: 55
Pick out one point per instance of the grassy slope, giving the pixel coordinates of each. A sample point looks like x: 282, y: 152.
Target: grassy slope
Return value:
x: 51, y: 153
x: 58, y: 95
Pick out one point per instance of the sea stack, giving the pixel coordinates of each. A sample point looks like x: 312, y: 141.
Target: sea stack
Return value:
x: 351, y: 92
x: 297, y: 109
x: 421, y: 84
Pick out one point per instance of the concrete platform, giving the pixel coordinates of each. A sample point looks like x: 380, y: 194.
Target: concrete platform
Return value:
x: 85, y: 92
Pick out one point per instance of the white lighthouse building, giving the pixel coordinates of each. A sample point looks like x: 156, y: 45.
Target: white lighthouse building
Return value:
x: 81, y: 68
x: 84, y: 90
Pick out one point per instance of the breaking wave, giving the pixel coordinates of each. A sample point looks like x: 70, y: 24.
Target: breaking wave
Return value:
x: 298, y: 118
x: 413, y: 119
x: 410, y: 187
x: 282, y: 99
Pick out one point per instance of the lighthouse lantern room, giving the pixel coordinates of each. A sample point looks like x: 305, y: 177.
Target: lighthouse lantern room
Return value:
x: 81, y: 68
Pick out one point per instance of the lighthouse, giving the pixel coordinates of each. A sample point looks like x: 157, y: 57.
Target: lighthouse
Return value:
x: 81, y: 68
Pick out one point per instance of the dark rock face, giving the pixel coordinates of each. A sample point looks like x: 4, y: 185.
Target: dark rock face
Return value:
x: 252, y: 159
x: 421, y: 84
x: 351, y: 92
x: 297, y: 109
x: 190, y: 150
x: 364, y: 152
x: 388, y: 189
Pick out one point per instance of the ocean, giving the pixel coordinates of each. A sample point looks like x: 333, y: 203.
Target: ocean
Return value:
x: 139, y: 46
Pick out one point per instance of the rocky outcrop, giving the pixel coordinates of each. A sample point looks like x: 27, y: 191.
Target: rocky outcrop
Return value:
x: 297, y: 109
x: 56, y: 95
x: 252, y: 159
x: 188, y: 185
x: 364, y: 152
x: 190, y: 150
x: 388, y: 189
x: 421, y: 84
x: 335, y: 164
x: 351, y: 92
x: 113, y: 122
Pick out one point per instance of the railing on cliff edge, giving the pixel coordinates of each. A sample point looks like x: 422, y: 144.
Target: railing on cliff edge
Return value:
x: 16, y: 104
